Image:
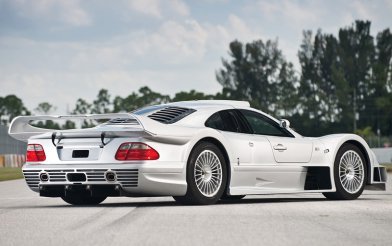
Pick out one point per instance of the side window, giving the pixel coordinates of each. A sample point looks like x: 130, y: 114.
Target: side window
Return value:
x: 226, y: 120
x: 264, y: 126
x: 215, y: 121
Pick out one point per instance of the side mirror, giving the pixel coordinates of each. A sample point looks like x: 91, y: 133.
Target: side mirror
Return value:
x: 284, y: 123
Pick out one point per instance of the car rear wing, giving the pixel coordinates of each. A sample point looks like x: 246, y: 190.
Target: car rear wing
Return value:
x: 119, y: 124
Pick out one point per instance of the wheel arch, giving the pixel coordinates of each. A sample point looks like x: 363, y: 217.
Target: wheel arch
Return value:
x: 222, y: 148
x: 363, y: 150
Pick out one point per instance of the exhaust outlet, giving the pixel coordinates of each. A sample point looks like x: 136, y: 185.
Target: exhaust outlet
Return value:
x: 110, y: 176
x: 44, y: 177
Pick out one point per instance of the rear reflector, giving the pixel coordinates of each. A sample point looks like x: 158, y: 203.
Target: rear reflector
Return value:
x: 136, y: 151
x: 34, y: 153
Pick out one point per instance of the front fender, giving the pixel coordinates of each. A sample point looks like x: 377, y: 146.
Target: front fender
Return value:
x: 335, y: 141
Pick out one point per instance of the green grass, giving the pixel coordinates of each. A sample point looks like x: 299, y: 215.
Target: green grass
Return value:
x: 9, y: 173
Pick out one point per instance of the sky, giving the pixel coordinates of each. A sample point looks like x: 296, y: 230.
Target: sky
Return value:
x: 57, y: 51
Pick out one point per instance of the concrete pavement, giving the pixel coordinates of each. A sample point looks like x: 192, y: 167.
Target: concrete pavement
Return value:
x: 304, y: 219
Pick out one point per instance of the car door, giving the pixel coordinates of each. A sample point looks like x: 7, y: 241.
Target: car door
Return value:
x: 291, y: 150
x: 235, y: 133
x: 285, y: 147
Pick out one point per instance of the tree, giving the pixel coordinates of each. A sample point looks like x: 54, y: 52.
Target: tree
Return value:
x: 338, y: 80
x: 320, y: 83
x: 287, y: 99
x: 102, y: 104
x: 357, y: 53
x: 255, y: 73
x: 10, y: 107
x: 382, y: 75
x: 68, y: 125
x: 126, y: 104
x: 133, y: 101
x: 191, y: 95
x: 149, y: 97
x: 82, y: 107
x: 46, y: 108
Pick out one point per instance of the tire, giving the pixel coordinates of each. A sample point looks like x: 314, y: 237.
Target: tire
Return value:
x: 206, y: 175
x: 349, y: 172
x: 80, y: 199
x: 232, y: 198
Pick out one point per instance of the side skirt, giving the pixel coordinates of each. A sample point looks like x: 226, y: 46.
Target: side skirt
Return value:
x: 253, y: 180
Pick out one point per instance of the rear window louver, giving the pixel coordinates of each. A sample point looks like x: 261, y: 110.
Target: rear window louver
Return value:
x: 170, y: 115
x: 123, y: 121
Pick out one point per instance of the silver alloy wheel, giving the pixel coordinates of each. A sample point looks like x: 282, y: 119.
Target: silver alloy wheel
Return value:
x: 351, y: 171
x: 208, y: 173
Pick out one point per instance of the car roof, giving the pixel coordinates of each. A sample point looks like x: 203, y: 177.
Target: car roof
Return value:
x: 197, y: 104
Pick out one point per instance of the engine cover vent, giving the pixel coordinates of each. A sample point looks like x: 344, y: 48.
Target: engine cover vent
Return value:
x: 171, y: 115
x: 123, y: 121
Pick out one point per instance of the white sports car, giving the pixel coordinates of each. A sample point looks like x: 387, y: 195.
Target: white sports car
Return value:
x: 196, y: 151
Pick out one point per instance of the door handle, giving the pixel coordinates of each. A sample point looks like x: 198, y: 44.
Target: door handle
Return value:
x: 280, y: 147
x: 250, y: 144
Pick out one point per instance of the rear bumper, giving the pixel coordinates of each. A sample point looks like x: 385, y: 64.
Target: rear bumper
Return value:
x: 130, y: 179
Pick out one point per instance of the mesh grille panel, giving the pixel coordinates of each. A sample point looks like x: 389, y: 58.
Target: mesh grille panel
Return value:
x: 32, y: 178
x: 125, y: 177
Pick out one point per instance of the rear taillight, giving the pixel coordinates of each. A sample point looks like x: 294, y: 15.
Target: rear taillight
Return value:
x: 35, y: 152
x: 136, y: 151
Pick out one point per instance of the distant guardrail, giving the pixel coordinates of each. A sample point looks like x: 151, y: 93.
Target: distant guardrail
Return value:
x: 8, y: 145
x: 12, y: 160
x: 12, y: 152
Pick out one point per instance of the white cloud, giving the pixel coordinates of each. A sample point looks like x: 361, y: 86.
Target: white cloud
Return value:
x: 68, y: 70
x: 175, y: 50
x: 64, y: 71
x: 291, y: 12
x: 178, y: 7
x: 73, y: 13
x: 389, y: 4
x: 147, y: 7
x: 240, y: 29
x: 177, y: 42
x: 159, y: 8
x: 29, y: 87
x: 361, y: 10
x: 367, y: 10
x: 189, y: 41
x: 215, y: 1
x: 174, y: 42
x: 69, y: 12
x: 92, y: 57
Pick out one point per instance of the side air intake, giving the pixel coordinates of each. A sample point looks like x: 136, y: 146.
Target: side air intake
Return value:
x: 170, y: 115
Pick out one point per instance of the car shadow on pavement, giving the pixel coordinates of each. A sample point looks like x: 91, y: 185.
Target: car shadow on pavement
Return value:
x: 221, y: 202
x: 229, y: 202
x: 169, y: 203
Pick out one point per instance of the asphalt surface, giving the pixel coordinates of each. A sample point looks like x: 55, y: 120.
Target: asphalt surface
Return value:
x: 306, y: 219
